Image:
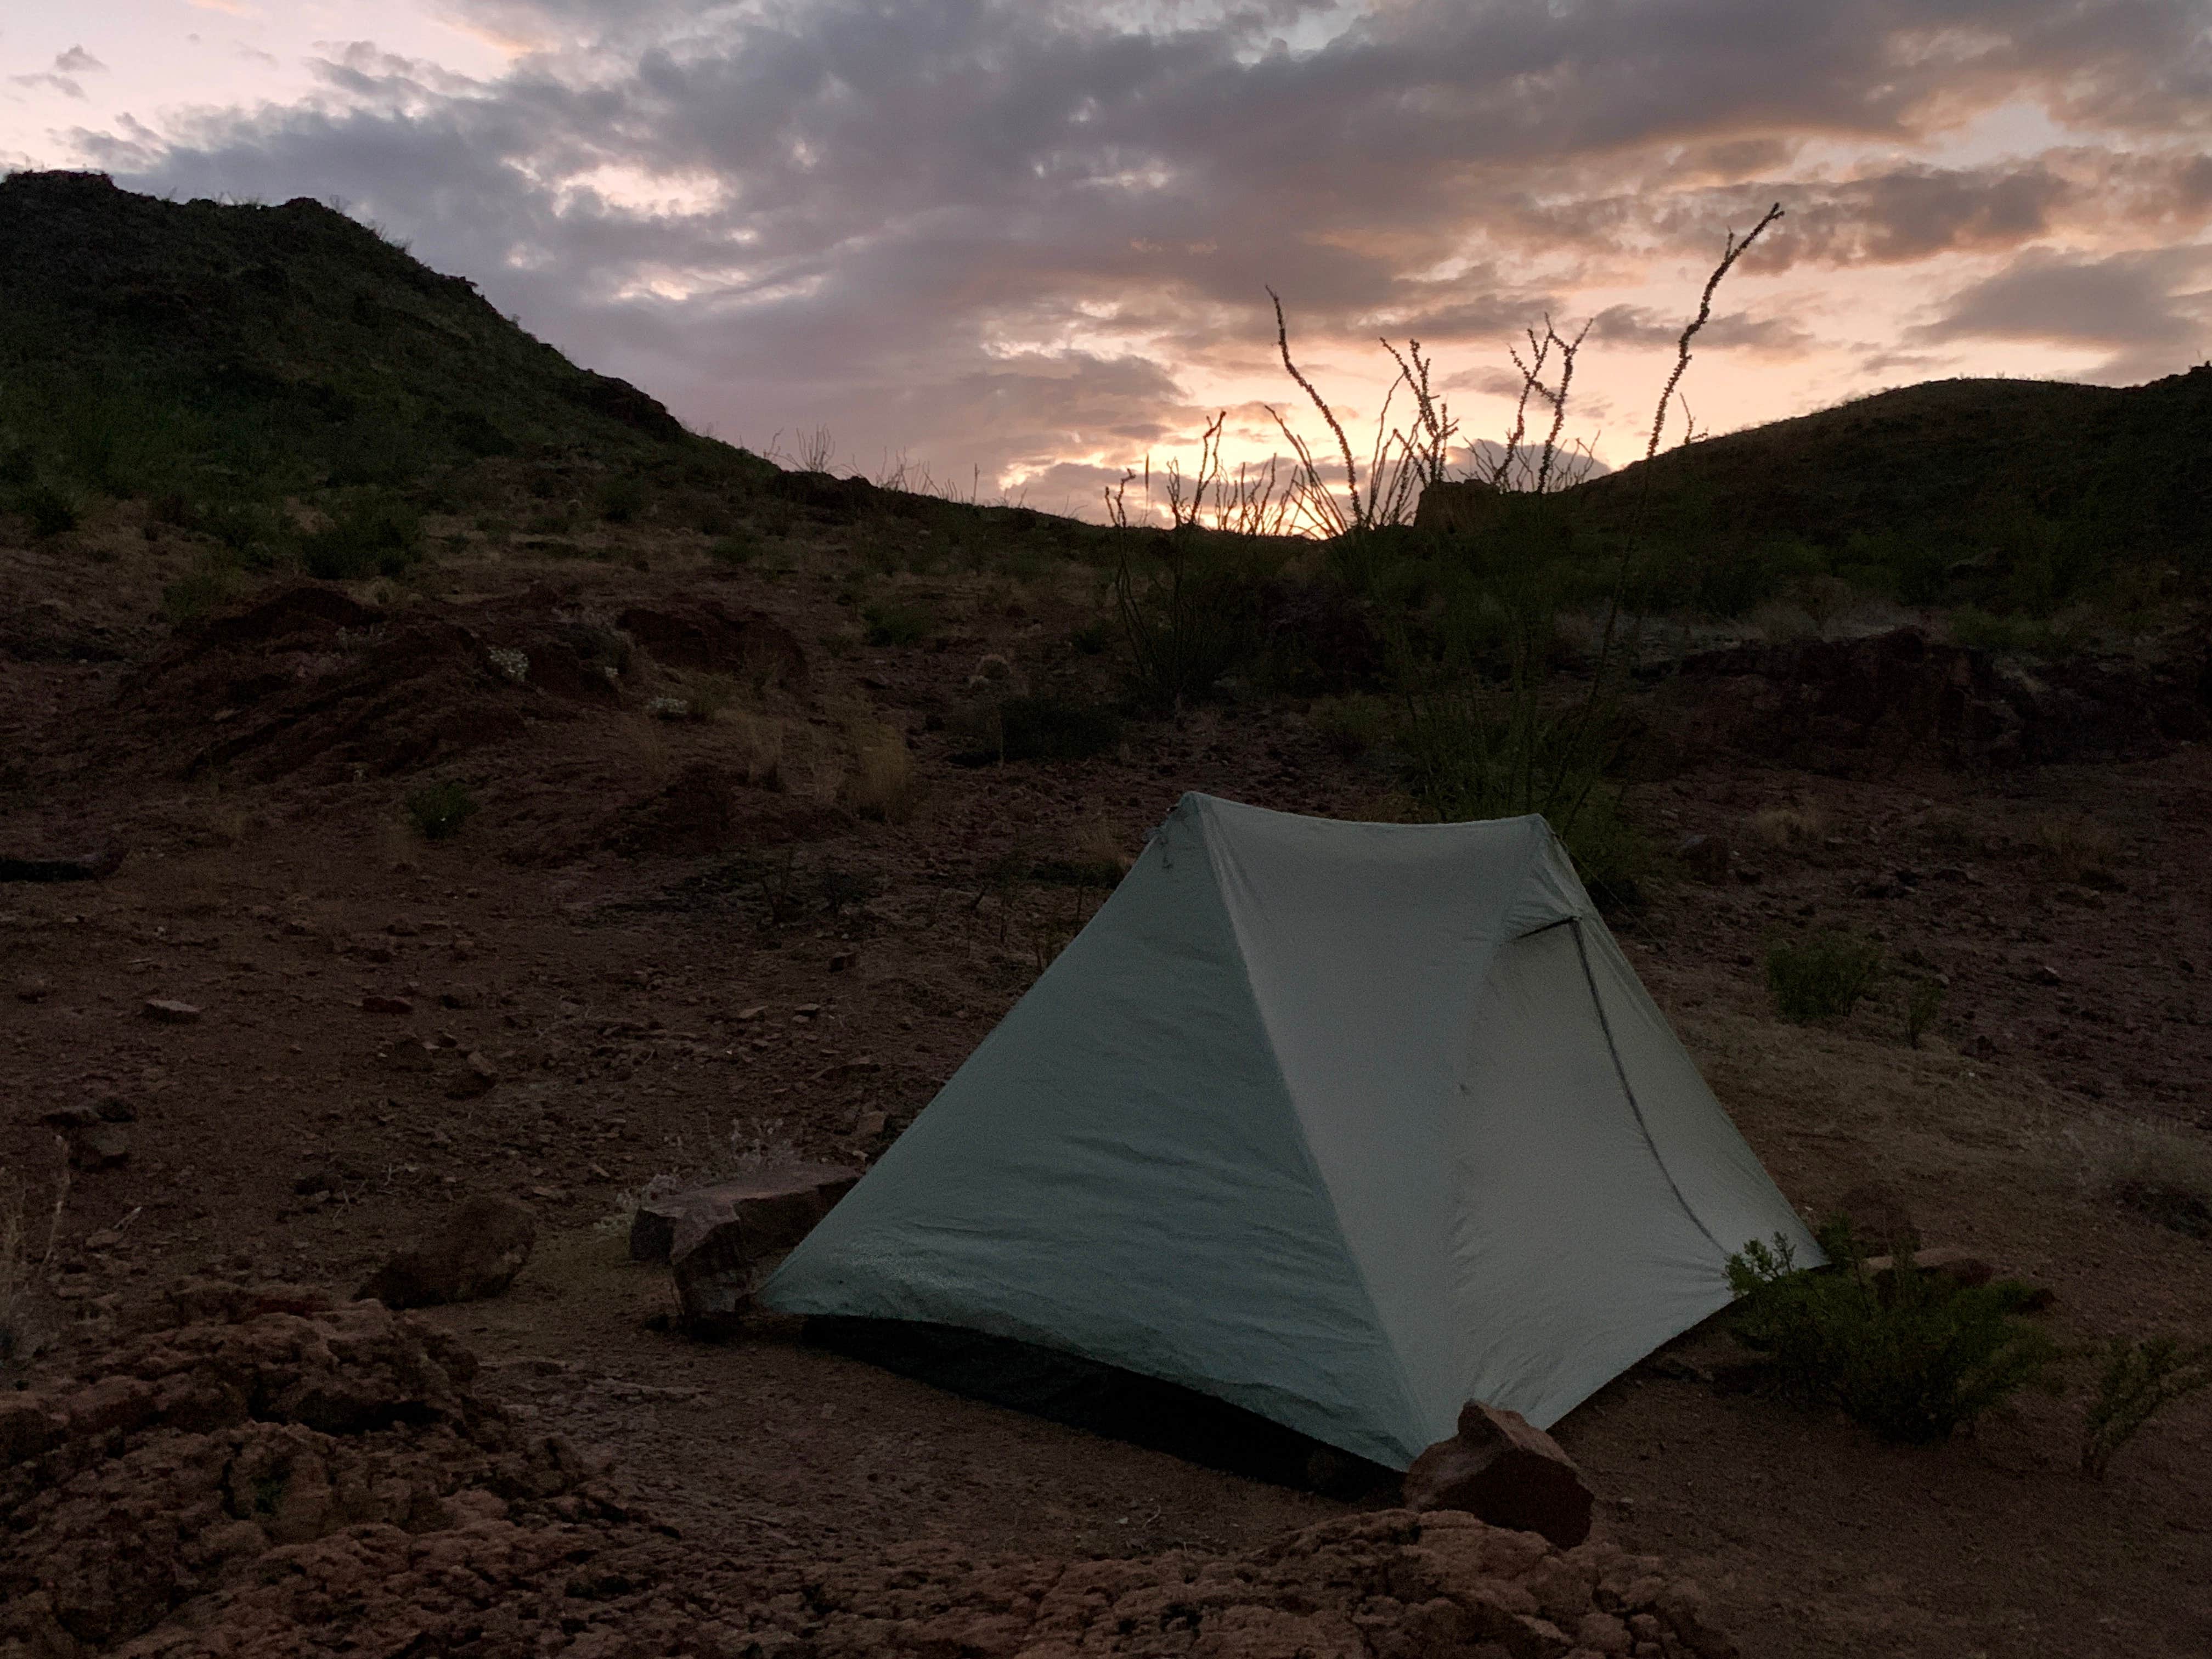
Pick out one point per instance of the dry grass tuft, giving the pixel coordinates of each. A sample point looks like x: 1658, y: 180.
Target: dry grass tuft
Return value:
x: 1791, y: 826
x: 24, y: 1253
x: 759, y: 744
x: 2077, y: 848
x: 882, y: 784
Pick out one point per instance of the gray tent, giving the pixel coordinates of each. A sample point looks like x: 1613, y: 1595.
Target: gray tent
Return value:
x: 1344, y: 1123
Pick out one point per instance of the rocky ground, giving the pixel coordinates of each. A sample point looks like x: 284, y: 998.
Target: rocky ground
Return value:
x: 286, y: 1032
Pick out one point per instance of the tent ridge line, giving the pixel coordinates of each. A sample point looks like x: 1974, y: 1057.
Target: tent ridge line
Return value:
x: 1628, y: 1090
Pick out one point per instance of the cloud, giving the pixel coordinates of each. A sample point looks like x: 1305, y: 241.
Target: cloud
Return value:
x: 60, y: 84
x: 77, y: 61
x: 1036, y: 234
x: 2140, y: 307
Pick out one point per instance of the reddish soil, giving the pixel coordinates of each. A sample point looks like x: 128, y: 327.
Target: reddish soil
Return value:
x: 644, y: 956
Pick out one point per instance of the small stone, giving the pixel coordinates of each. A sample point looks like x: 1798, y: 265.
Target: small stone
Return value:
x: 870, y: 1126
x: 476, y: 1254
x: 841, y: 960
x: 2047, y: 975
x: 375, y: 1004
x: 106, y: 1239
x: 170, y: 1011
x: 98, y: 1146
x: 751, y: 1013
x: 477, y: 1076
x: 1504, y: 1471
x: 32, y: 987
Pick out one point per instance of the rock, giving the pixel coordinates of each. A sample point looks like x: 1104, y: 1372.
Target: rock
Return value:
x: 31, y: 988
x: 1456, y: 505
x: 94, y: 1140
x: 170, y: 1011
x: 476, y: 1254
x: 1503, y: 1471
x: 477, y: 1076
x: 871, y: 1126
x: 1682, y: 1610
x: 1706, y: 857
x: 84, y: 866
x: 373, y: 1004
x: 720, y: 1241
x: 1962, y: 1267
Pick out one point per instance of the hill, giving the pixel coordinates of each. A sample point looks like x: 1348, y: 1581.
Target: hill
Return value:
x: 144, y: 343
x: 2021, y: 483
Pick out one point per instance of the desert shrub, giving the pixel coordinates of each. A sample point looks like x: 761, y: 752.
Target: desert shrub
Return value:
x: 1910, y: 1354
x: 2139, y: 1380
x: 710, y: 695
x: 739, y: 547
x: 51, y: 512
x: 1187, y: 617
x: 1791, y: 826
x: 207, y: 586
x: 897, y: 624
x: 1350, y: 727
x: 371, y: 533
x: 759, y: 748
x: 621, y: 498
x: 882, y: 784
x: 1922, y: 1004
x: 1821, y: 976
x: 1053, y: 729
x: 2078, y: 849
x: 2005, y: 635
x: 439, y: 810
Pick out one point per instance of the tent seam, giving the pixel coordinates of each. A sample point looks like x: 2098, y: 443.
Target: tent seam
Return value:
x: 1628, y: 1090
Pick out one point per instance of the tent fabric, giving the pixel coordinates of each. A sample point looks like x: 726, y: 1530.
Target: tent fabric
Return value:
x: 1345, y: 1124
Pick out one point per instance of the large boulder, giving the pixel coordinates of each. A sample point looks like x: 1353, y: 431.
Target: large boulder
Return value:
x: 721, y: 1241
x: 475, y: 1253
x: 1503, y: 1471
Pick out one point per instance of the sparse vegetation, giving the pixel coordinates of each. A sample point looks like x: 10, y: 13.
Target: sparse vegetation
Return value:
x: 2140, y: 1378
x: 1791, y: 826
x: 2077, y: 849
x: 1910, y: 1354
x: 439, y: 810
x: 30, y: 1229
x: 897, y: 624
x: 882, y: 783
x: 1923, y: 1000
x: 1821, y: 977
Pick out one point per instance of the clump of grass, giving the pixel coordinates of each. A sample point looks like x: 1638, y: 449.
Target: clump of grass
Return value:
x: 2078, y: 849
x: 207, y: 586
x: 738, y: 548
x: 897, y: 624
x: 882, y: 783
x: 711, y: 695
x: 1910, y: 1354
x: 26, y: 1250
x: 371, y: 533
x: 621, y: 498
x: 2141, y: 1378
x: 1922, y: 1004
x: 1821, y: 976
x: 439, y: 810
x: 1791, y: 826
x: 759, y: 745
x: 1349, y: 726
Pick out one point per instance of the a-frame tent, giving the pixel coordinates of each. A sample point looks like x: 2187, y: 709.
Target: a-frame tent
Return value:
x: 1344, y: 1123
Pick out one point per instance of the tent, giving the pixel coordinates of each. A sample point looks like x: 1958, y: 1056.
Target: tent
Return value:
x: 1345, y: 1124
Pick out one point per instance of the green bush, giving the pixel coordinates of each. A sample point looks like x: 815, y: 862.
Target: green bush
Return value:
x: 371, y: 534
x: 207, y: 586
x: 738, y: 548
x: 622, y: 498
x: 51, y: 512
x: 439, y: 810
x: 1910, y: 1354
x: 898, y: 624
x: 2140, y: 1379
x: 1188, y: 617
x: 1823, y: 976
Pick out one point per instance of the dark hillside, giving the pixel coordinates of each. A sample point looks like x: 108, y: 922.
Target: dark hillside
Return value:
x: 141, y: 337
x: 2041, y: 482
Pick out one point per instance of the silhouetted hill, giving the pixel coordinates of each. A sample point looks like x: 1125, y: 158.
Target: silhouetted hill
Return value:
x: 1986, y: 468
x: 138, y: 334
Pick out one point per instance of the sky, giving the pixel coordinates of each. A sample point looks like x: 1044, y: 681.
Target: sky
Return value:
x: 1025, y: 245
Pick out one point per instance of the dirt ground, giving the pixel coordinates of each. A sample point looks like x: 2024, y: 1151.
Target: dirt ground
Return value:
x: 584, y: 989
